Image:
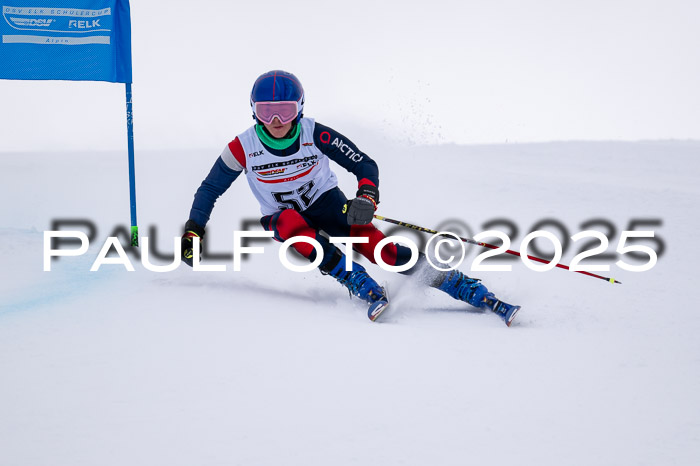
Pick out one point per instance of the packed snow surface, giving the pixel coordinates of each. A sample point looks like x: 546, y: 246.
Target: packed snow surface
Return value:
x: 270, y: 367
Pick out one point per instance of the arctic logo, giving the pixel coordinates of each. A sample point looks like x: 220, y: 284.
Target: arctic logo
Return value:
x: 255, y: 154
x: 75, y: 24
x: 345, y: 149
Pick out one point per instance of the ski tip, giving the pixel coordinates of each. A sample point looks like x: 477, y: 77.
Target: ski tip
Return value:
x: 511, y: 317
x: 376, y: 309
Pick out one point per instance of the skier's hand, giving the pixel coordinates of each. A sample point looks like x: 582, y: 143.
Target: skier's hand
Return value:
x: 361, y: 209
x: 192, y: 230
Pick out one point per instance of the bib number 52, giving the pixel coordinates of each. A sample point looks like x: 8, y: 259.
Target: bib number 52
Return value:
x: 299, y: 199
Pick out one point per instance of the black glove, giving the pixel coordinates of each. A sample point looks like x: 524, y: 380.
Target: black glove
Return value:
x: 192, y: 230
x: 361, y: 209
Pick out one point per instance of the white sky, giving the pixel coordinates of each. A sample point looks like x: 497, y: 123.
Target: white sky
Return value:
x: 411, y: 71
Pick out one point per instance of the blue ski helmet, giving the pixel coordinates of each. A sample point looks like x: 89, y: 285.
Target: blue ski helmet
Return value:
x: 275, y: 86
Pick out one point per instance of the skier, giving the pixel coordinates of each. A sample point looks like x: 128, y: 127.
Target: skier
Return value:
x: 286, y: 159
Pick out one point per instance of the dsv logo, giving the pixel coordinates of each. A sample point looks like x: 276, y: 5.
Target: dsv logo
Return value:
x: 32, y: 22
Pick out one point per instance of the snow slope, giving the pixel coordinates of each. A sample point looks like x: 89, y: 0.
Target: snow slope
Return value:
x: 268, y: 367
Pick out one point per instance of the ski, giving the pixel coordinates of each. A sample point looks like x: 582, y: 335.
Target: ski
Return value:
x: 377, y: 308
x: 506, y: 311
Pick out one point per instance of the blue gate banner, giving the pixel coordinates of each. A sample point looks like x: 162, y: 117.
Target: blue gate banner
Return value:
x: 75, y: 40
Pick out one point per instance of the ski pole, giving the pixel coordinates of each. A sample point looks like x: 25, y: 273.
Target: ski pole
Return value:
x: 490, y: 246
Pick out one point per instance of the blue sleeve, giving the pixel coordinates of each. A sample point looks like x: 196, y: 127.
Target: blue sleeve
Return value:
x: 214, y: 185
x: 346, y: 154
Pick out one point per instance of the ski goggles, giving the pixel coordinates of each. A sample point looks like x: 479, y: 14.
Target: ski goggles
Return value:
x: 285, y: 111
